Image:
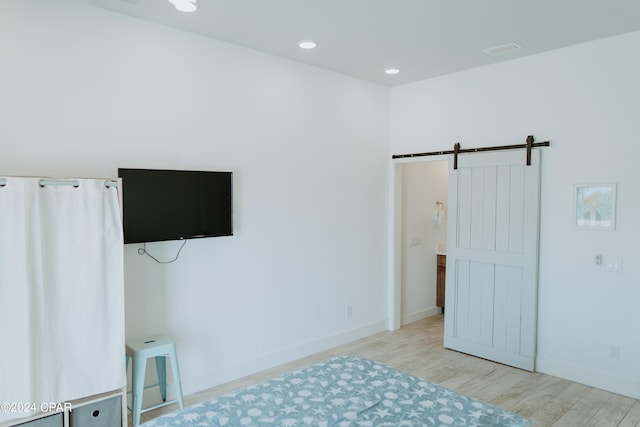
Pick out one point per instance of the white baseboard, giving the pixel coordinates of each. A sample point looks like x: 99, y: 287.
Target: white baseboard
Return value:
x: 247, y: 367
x: 616, y: 384
x: 419, y: 315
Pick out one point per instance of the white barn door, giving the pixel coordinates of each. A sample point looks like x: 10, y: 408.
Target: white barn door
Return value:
x: 492, y: 257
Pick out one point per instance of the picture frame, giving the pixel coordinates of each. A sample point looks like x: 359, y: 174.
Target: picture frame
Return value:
x: 595, y: 206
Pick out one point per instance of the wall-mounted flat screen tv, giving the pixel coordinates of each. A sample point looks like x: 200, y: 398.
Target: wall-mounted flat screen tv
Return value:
x: 175, y: 204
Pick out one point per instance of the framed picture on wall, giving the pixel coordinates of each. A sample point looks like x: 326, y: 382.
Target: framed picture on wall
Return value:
x: 595, y: 206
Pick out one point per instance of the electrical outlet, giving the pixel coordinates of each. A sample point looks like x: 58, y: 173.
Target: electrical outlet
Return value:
x: 614, y: 352
x: 349, y: 311
x: 415, y: 240
x: 614, y: 265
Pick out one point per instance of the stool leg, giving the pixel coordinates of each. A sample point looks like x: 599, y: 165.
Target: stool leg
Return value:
x: 161, y: 368
x: 176, y: 376
x: 126, y: 376
x: 137, y: 375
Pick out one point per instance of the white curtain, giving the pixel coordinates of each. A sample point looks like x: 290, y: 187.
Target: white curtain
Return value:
x: 61, y: 291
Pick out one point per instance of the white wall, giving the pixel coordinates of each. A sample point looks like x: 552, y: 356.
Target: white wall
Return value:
x: 423, y: 183
x: 85, y: 91
x: 584, y: 99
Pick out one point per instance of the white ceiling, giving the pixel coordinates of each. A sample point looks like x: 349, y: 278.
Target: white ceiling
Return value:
x: 423, y: 38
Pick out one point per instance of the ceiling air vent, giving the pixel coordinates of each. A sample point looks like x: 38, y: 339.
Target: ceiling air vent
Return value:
x: 499, y: 50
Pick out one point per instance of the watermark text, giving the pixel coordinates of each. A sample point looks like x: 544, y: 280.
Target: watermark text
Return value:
x: 32, y: 407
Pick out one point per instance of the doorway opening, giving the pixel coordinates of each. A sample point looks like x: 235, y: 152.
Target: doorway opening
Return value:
x: 419, y: 234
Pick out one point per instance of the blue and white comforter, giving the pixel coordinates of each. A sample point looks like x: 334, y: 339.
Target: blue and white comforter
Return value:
x: 342, y: 392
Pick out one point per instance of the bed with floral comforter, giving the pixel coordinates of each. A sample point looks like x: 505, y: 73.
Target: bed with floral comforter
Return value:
x: 342, y: 392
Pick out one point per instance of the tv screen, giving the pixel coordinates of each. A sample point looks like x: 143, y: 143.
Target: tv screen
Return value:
x: 172, y: 205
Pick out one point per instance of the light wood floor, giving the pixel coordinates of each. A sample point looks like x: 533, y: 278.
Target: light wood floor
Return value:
x: 417, y: 349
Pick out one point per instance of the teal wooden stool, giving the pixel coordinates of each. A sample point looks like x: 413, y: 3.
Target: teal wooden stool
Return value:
x: 141, y: 349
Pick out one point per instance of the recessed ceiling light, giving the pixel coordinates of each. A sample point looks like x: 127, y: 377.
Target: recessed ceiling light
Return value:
x: 185, y: 5
x: 392, y: 71
x: 307, y: 44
